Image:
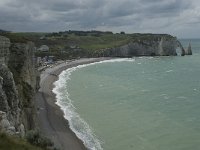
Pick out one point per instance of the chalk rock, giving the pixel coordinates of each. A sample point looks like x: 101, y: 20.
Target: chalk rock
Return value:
x: 188, y: 50
x: 5, y: 125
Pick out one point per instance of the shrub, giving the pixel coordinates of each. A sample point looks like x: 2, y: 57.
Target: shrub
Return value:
x: 35, y: 138
x: 15, y: 143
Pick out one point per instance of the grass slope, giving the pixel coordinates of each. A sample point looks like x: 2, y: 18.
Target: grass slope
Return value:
x: 86, y: 44
x: 13, y: 143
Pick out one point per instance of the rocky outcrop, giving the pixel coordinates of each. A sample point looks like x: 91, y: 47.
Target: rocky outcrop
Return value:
x: 188, y: 51
x: 5, y: 125
x: 9, y: 95
x: 10, y: 112
x: 17, y: 86
x: 152, y: 45
x: 21, y: 64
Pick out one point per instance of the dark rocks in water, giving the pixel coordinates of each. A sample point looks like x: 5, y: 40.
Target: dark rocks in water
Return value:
x: 188, y: 50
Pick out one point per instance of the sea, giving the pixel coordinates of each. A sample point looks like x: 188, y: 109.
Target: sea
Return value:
x: 139, y: 103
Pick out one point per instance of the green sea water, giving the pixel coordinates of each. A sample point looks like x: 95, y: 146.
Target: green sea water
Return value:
x: 143, y: 103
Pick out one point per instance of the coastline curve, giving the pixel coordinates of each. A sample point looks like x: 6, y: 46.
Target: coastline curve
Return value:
x: 77, y: 124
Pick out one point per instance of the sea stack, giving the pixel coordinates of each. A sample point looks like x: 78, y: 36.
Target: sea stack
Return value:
x: 188, y: 50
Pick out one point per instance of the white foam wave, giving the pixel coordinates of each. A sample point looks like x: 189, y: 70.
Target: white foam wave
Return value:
x: 76, y: 123
x: 169, y: 71
x: 182, y: 97
x: 166, y: 97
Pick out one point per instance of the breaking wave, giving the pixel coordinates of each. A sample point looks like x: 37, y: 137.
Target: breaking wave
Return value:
x: 76, y: 123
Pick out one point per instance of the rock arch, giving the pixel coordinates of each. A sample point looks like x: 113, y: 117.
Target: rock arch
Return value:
x: 181, y: 47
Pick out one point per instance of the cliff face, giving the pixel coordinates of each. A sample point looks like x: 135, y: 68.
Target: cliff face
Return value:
x: 21, y: 64
x: 17, y: 85
x: 162, y: 45
x: 8, y: 100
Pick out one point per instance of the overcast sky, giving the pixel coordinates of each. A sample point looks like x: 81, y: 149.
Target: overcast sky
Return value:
x: 177, y: 17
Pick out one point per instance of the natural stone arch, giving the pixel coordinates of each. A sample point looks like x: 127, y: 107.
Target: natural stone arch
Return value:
x: 178, y: 51
x: 182, y: 50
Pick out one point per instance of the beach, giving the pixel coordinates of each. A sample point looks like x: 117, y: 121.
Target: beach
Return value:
x: 51, y: 121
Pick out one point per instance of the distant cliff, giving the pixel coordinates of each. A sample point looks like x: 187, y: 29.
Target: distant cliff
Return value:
x: 67, y: 45
x: 17, y: 86
x: 146, y: 45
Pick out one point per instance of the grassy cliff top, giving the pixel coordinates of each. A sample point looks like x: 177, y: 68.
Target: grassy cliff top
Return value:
x: 73, y: 44
x: 90, y: 40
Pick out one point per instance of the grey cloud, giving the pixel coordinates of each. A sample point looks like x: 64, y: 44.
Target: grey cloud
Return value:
x: 123, y: 9
x: 170, y: 7
x: 132, y: 15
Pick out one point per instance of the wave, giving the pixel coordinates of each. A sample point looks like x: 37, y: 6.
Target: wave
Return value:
x: 169, y: 71
x: 76, y: 123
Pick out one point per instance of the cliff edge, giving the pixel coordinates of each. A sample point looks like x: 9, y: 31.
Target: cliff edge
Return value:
x: 17, y: 86
x: 146, y: 45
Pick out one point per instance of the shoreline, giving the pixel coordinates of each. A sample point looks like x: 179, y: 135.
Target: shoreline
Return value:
x: 51, y: 121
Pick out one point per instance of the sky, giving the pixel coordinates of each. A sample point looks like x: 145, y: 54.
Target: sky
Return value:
x: 180, y: 18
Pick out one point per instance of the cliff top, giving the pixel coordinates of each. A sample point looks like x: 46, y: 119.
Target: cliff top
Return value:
x: 83, y: 39
x: 70, y: 44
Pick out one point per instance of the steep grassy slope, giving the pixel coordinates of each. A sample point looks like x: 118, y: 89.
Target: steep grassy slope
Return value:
x: 14, y: 143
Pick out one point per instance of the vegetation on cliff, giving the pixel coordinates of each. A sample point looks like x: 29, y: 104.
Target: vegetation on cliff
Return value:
x: 73, y: 44
x: 15, y: 143
x: 33, y: 141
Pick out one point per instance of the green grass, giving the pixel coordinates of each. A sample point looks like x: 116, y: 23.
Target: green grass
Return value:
x: 14, y: 143
x: 102, y: 42
x: 22, y: 37
x: 90, y: 44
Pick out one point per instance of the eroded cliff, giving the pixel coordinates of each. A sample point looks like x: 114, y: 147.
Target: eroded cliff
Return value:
x: 145, y: 45
x: 17, y: 86
x: 189, y: 50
